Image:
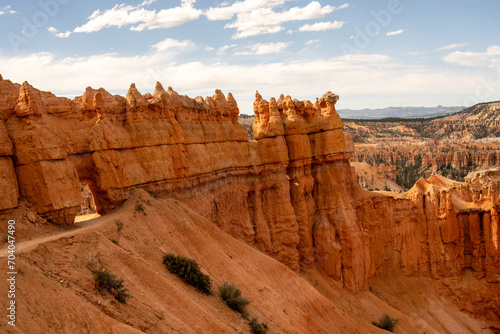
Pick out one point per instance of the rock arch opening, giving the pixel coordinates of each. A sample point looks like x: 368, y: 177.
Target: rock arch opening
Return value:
x: 88, y: 208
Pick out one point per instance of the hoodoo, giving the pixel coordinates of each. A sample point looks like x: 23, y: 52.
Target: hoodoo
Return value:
x: 291, y: 192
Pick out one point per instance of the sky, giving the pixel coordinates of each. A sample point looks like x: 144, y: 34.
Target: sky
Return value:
x: 372, y: 53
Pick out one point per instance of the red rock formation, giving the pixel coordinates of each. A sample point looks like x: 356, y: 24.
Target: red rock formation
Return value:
x: 8, y: 181
x: 291, y: 193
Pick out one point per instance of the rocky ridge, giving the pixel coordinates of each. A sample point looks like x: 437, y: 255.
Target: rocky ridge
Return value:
x: 291, y: 193
x: 479, y: 121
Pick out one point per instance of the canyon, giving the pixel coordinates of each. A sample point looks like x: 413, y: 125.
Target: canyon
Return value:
x: 452, y: 145
x: 287, y: 204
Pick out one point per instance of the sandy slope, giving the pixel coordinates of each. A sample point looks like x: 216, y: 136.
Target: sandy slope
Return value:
x: 55, y: 293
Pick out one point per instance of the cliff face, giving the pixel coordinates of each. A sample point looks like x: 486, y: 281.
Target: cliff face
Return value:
x: 291, y: 193
x: 439, y: 228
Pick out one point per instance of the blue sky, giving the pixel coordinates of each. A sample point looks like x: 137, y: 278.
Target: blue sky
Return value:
x: 372, y: 53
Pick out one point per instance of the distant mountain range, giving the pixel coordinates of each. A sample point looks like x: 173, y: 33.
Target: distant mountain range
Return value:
x: 476, y: 122
x: 403, y: 112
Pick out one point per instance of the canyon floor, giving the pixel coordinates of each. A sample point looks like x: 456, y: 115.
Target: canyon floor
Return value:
x: 56, y: 292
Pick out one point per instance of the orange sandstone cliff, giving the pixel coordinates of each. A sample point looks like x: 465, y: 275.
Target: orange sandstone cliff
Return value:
x: 291, y: 192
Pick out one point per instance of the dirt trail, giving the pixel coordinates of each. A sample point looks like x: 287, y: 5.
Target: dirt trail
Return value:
x: 26, y: 246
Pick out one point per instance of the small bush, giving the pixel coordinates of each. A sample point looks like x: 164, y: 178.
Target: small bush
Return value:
x: 386, y: 322
x: 257, y: 327
x: 119, y: 225
x: 189, y: 271
x: 232, y: 296
x: 106, y: 280
x: 152, y: 194
x: 139, y: 207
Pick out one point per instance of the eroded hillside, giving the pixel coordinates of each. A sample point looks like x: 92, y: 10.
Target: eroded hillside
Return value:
x: 290, y: 194
x: 56, y: 292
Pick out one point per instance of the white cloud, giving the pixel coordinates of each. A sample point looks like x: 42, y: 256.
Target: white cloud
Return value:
x: 147, y: 3
x: 141, y: 18
x: 222, y: 50
x: 322, y: 26
x: 360, y: 80
x: 253, y: 49
x: 63, y: 34
x: 6, y: 10
x: 442, y: 48
x: 258, y: 17
x: 263, y: 48
x: 253, y: 17
x: 452, y: 46
x: 170, y: 44
x: 225, y: 12
x: 489, y: 58
x: 209, y: 49
x: 58, y: 34
x: 394, y: 33
x: 313, y: 41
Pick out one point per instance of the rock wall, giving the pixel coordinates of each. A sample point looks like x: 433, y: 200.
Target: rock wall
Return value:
x: 291, y: 192
x: 439, y: 228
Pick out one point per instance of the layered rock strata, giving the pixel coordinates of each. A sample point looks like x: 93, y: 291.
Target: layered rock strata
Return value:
x: 291, y: 192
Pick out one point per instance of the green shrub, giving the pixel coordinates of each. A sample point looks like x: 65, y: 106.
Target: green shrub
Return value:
x: 152, y: 194
x: 232, y: 296
x: 386, y: 322
x: 106, y: 280
x: 119, y: 225
x: 139, y: 207
x: 189, y: 271
x: 257, y: 327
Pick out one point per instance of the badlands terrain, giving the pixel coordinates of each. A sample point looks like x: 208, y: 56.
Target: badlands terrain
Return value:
x: 282, y: 216
x: 452, y: 146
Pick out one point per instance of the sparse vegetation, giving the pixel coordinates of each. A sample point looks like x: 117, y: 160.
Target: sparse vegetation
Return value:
x: 119, y: 225
x: 152, y: 194
x: 114, y: 241
x: 231, y: 295
x: 386, y: 322
x: 257, y: 327
x: 139, y: 208
x: 189, y: 271
x: 106, y: 280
